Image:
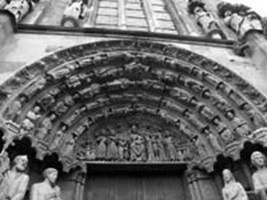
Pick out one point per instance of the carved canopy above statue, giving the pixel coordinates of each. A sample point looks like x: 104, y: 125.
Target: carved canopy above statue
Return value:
x: 130, y: 101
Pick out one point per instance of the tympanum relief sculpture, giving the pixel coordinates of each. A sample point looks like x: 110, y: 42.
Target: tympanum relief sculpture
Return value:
x: 135, y: 146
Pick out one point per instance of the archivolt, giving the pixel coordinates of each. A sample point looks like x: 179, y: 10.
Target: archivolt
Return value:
x: 206, y: 108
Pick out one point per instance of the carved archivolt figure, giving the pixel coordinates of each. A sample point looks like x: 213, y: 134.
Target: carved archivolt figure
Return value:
x: 260, y: 176
x: 69, y: 144
x: 57, y: 139
x: 28, y: 123
x: 240, y: 126
x: 46, y: 190
x: 45, y: 127
x: 232, y: 190
x: 16, y: 107
x: 15, y: 181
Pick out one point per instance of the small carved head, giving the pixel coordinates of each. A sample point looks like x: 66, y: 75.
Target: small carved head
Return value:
x: 51, y: 175
x: 257, y: 159
x: 227, y: 176
x: 230, y: 115
x: 37, y: 109
x: 21, y: 162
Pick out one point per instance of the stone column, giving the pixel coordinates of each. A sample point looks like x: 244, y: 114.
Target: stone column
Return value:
x: 72, y: 186
x: 7, y: 25
x: 202, y: 186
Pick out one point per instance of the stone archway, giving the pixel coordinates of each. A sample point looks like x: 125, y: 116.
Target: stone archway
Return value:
x: 95, y: 96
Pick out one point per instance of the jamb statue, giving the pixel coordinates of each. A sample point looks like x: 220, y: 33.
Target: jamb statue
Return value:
x: 232, y: 190
x: 46, y: 190
x: 259, y: 177
x: 15, y: 181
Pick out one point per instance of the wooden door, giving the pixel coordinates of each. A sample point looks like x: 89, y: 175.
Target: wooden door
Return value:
x: 135, y: 186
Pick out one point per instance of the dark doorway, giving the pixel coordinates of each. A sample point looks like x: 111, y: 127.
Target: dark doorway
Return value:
x: 143, y: 182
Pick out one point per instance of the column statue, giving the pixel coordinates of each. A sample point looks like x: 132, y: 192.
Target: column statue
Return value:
x: 232, y: 190
x: 259, y: 177
x: 46, y: 190
x: 15, y: 181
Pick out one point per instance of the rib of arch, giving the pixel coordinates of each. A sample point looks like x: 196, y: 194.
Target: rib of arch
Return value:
x: 132, y: 88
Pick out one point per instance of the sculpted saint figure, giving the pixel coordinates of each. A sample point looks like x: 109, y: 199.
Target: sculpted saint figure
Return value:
x: 46, y: 190
x: 46, y: 127
x: 101, y: 147
x: 137, y: 148
x: 260, y: 176
x: 171, y: 150
x: 112, y: 149
x: 232, y: 190
x: 15, y: 181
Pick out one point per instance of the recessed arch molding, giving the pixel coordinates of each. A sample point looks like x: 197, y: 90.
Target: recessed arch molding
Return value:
x: 131, y: 101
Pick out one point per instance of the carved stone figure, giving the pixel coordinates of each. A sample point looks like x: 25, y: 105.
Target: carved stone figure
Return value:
x: 15, y: 181
x: 29, y: 122
x: 35, y: 87
x: 58, y: 136
x: 213, y: 141
x: 227, y: 135
x: 254, y: 116
x: 158, y: 148
x: 46, y: 190
x: 45, y: 127
x: 101, y: 147
x: 14, y: 110
x: 137, y: 148
x: 60, y: 108
x: 68, y: 145
x: 171, y: 150
x: 259, y: 177
x: 123, y: 149
x: 205, y: 20
x: 201, y: 146
x: 240, y: 18
x: 112, y: 149
x: 19, y: 8
x: 232, y: 190
x: 47, y: 101
x: 240, y: 126
x: 4, y: 164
